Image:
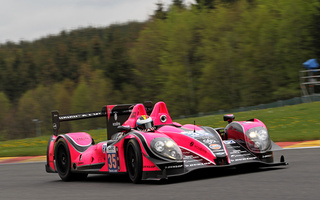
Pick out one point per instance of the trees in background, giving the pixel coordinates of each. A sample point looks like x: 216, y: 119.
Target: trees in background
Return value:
x: 209, y: 56
x: 5, y: 107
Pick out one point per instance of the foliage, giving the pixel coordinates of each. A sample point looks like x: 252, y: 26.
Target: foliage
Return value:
x: 215, y: 54
x: 5, y: 107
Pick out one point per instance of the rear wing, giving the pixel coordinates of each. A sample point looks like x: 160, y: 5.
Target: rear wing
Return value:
x: 56, y: 118
x: 115, y: 115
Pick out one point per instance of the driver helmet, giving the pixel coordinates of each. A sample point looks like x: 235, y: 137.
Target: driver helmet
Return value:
x: 145, y: 123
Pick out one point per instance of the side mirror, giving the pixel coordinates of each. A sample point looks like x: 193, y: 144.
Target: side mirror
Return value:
x: 229, y: 118
x: 124, y: 129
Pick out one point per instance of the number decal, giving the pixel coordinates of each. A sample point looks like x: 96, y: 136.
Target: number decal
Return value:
x: 109, y: 161
x: 112, y: 159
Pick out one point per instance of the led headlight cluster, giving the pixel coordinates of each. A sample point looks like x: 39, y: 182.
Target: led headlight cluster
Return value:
x: 166, y: 147
x: 259, y: 139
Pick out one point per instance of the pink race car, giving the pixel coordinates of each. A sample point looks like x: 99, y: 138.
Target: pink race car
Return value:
x: 145, y: 143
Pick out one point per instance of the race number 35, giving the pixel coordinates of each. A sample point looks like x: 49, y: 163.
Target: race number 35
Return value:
x: 112, y: 159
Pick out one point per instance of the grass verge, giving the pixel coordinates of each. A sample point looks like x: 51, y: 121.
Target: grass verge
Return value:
x: 289, y: 123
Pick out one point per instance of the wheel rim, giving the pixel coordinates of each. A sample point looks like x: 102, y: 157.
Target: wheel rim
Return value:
x: 62, y: 160
x: 132, y: 162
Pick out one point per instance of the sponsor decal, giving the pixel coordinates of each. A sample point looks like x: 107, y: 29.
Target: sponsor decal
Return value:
x: 76, y: 116
x: 111, y: 149
x: 209, y: 141
x: 104, y: 148
x: 244, y: 159
x: 115, y: 116
x: 214, y: 146
x: 240, y: 155
x: 82, y: 138
x: 229, y: 142
x: 150, y: 167
x: 235, y: 151
x: 267, y: 156
x: 191, y: 157
x: 54, y: 126
x: 200, y: 149
x: 197, y: 147
x: 173, y: 166
x: 194, y: 161
x: 195, y: 134
x: 220, y: 154
x: 198, y: 164
x: 116, y: 124
x: 238, y: 151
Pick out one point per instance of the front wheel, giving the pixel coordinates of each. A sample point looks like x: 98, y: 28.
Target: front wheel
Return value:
x: 134, y: 161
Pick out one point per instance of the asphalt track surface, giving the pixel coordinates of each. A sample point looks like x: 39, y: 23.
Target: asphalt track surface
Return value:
x: 299, y: 180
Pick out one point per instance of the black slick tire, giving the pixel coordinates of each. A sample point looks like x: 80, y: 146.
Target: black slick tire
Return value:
x: 134, y: 161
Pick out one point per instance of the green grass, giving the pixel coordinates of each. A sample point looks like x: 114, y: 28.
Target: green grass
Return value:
x: 288, y: 123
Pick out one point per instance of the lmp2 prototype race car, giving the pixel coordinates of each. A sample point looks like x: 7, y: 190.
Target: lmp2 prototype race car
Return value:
x: 146, y: 144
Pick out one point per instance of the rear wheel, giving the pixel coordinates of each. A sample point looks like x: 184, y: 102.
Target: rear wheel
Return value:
x: 63, y: 162
x: 134, y: 161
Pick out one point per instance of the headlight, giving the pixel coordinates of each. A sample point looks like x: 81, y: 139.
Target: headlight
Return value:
x: 166, y: 147
x: 159, y: 146
x: 259, y: 140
